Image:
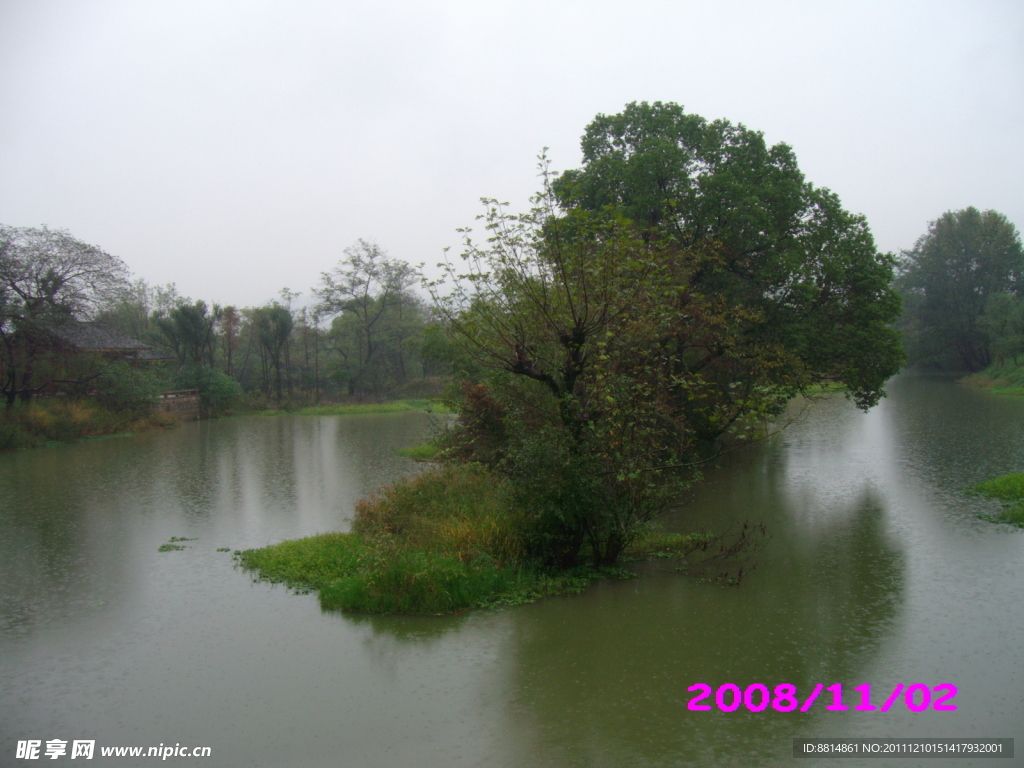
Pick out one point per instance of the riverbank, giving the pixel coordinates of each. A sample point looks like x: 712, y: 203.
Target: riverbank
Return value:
x: 1009, y: 489
x: 440, y: 543
x: 52, y: 421
x: 428, y: 405
x: 1006, y: 378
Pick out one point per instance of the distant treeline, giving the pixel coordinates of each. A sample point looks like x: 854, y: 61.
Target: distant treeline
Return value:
x: 366, y: 334
x: 73, y: 323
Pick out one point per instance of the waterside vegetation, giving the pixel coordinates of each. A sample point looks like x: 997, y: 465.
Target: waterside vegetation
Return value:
x: 52, y: 421
x: 427, y: 405
x: 1009, y: 489
x: 1001, y: 378
x: 444, y: 542
x: 665, y: 300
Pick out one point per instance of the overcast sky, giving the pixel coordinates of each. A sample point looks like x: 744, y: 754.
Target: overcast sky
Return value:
x: 236, y: 148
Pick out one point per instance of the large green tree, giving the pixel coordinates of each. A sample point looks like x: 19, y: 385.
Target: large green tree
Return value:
x: 950, y: 278
x: 273, y: 326
x: 188, y: 330
x: 680, y: 287
x: 368, y: 295
x: 805, y: 270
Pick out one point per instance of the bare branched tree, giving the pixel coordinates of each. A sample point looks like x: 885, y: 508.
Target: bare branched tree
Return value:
x: 48, y: 278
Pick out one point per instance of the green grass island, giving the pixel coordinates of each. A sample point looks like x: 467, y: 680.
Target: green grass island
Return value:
x: 446, y: 541
x: 1009, y: 489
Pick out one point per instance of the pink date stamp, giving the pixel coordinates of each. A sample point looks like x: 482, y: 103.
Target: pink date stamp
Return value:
x: 783, y: 698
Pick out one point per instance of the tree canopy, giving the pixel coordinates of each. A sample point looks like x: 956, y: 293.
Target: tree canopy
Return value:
x: 681, y: 286
x: 951, y: 279
x: 368, y: 294
x: 805, y: 270
x: 48, y: 279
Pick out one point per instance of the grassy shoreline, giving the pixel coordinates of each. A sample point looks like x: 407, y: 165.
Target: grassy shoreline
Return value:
x: 1009, y: 489
x: 49, y: 422
x: 1006, y: 378
x: 441, y: 543
x: 341, y: 409
x: 350, y: 574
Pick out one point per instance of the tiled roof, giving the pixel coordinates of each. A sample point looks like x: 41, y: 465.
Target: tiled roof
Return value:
x: 96, y: 337
x: 93, y: 337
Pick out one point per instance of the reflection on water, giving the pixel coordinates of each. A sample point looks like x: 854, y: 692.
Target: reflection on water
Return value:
x: 815, y: 614
x: 82, y: 522
x: 878, y: 572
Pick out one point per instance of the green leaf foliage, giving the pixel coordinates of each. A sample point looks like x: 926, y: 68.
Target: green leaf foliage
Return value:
x: 678, y: 289
x: 805, y: 270
x: 218, y: 392
x: 962, y: 284
x: 128, y: 390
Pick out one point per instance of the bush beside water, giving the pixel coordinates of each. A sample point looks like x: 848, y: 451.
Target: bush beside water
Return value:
x: 1003, y: 378
x: 443, y: 542
x: 131, y: 392
x: 57, y: 420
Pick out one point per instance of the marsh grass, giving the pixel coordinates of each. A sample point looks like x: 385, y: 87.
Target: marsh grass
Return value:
x: 662, y: 545
x: 56, y: 420
x: 1008, y: 487
x: 1003, y: 378
x: 1015, y: 515
x: 1010, y: 490
x: 460, y: 511
x: 826, y: 388
x: 420, y: 582
x: 307, y: 564
x: 424, y: 452
x: 440, y: 543
x: 377, y: 575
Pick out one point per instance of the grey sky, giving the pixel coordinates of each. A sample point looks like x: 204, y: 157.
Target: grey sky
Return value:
x: 238, y: 147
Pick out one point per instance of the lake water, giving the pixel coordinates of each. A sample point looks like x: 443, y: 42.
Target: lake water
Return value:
x: 878, y: 571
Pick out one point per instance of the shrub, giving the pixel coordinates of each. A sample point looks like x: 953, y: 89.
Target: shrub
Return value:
x: 128, y: 390
x: 218, y: 392
x: 13, y: 436
x: 459, y: 511
x: 480, y: 433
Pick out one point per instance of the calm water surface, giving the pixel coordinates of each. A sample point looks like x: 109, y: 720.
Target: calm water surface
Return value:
x: 878, y: 571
